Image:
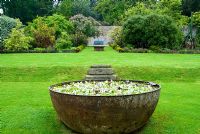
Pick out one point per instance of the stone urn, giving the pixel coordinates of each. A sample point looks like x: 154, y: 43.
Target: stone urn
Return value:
x: 105, y: 114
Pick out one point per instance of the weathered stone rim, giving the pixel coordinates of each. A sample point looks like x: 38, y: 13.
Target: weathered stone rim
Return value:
x: 158, y: 88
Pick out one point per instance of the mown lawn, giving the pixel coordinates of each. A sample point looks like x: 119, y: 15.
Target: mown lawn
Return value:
x: 25, y: 105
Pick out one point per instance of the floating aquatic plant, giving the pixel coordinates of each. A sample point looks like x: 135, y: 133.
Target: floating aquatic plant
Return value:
x: 104, y: 88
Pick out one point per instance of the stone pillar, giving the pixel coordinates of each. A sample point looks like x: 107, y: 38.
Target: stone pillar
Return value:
x: 101, y: 72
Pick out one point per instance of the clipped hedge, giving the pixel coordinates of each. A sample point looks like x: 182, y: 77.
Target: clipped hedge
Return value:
x: 158, y: 50
x: 43, y: 50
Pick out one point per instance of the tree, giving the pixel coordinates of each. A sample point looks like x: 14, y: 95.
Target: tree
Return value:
x: 170, y: 8
x: 111, y: 10
x: 58, y: 22
x: 65, y: 8
x: 27, y: 10
x: 84, y: 27
x: 189, y: 6
x: 93, y: 3
x: 139, y: 9
x: 70, y: 8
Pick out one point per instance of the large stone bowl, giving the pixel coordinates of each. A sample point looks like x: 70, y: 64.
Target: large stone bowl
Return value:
x: 105, y: 114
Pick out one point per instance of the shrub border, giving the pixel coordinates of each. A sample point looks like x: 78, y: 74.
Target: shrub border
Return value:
x: 141, y: 50
x: 76, y: 50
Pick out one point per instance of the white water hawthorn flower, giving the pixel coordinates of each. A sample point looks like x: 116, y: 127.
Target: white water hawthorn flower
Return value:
x: 104, y: 88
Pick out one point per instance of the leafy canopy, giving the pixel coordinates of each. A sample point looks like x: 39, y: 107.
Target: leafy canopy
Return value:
x: 189, y: 6
x: 112, y: 10
x: 27, y: 10
x: 70, y: 8
x: 170, y: 8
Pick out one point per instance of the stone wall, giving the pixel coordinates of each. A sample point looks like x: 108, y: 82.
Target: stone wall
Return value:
x: 104, y: 36
x: 186, y: 31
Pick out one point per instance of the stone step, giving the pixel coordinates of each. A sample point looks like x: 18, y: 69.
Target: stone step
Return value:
x: 101, y: 66
x: 100, y: 71
x: 101, y: 77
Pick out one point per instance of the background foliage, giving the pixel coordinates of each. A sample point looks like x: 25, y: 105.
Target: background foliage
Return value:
x: 77, y: 20
x: 6, y: 25
x: 64, y: 42
x: 27, y: 10
x: 152, y: 30
x: 70, y: 8
x: 170, y: 8
x: 17, y: 40
x: 84, y: 27
x: 44, y: 36
x: 189, y: 6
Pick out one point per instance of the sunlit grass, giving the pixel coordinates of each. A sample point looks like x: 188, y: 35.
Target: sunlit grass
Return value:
x: 25, y: 105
